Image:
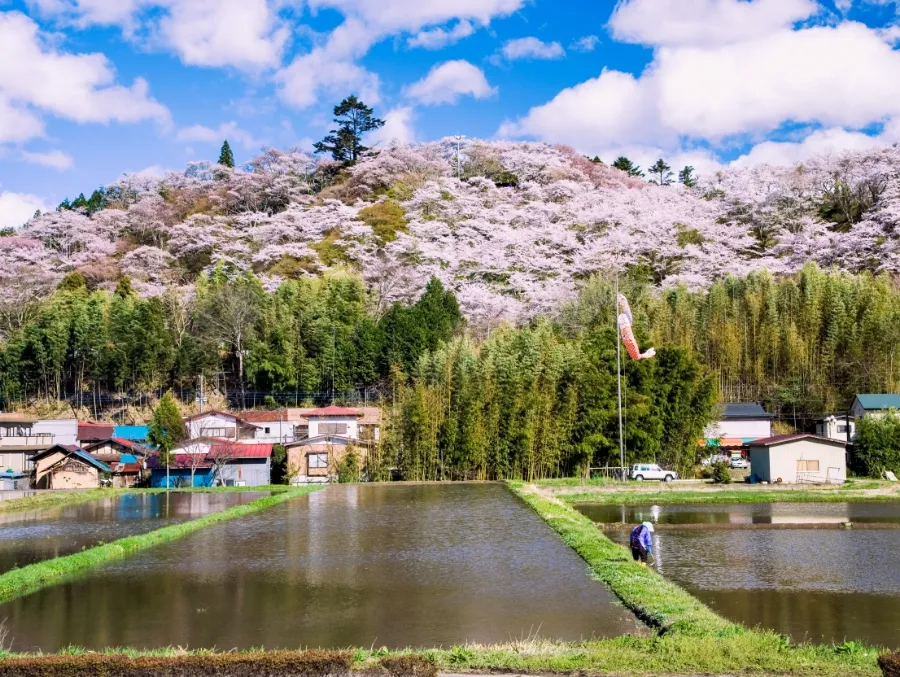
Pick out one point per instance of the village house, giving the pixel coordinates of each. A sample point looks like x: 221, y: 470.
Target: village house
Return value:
x: 90, y: 433
x: 840, y: 428
x: 68, y: 467
x: 329, y: 433
x: 249, y: 428
x: 798, y: 459
x: 19, y: 442
x: 126, y: 460
x: 740, y: 424
x: 874, y: 404
x: 213, y: 462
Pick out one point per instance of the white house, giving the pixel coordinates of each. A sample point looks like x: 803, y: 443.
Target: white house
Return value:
x: 840, y: 428
x: 362, y: 423
x: 874, y: 404
x: 741, y: 421
x: 19, y: 441
x: 64, y: 431
x: 251, y: 427
x: 797, y: 459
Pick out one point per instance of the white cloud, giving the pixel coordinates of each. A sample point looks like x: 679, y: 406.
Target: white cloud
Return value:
x: 398, y: 127
x: 55, y: 159
x: 588, y: 43
x: 227, y: 130
x: 17, y: 208
x: 438, y: 38
x: 704, y: 22
x: 18, y: 124
x: 301, y: 83
x: 531, y: 48
x: 79, y: 87
x: 411, y: 15
x: 241, y: 33
x: 743, y: 89
x: 446, y: 82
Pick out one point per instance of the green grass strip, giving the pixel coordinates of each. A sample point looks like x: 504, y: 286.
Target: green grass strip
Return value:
x: 655, y: 600
x: 29, y: 579
x: 670, y: 497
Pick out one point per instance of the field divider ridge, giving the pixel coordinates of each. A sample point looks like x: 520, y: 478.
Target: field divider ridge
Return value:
x: 31, y: 578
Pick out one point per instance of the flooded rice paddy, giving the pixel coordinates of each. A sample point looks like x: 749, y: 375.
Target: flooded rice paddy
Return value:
x: 351, y: 565
x: 822, y: 585
x: 29, y: 537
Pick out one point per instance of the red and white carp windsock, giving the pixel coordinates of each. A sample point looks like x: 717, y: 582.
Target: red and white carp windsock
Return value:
x: 627, y: 333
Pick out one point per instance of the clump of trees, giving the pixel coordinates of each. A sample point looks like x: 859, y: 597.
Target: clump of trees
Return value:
x: 877, y: 445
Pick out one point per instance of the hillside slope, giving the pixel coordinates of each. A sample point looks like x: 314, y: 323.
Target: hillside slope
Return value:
x: 512, y: 236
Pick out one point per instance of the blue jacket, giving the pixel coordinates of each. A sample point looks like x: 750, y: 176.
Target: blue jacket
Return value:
x: 640, y: 536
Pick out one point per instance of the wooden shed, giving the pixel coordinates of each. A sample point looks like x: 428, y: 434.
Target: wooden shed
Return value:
x: 67, y: 467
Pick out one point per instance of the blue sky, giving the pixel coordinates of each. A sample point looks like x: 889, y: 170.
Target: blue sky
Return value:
x: 90, y: 89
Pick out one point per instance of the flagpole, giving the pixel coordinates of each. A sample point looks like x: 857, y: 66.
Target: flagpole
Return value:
x: 619, y: 377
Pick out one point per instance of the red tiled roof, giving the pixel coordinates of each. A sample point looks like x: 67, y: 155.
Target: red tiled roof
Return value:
x: 94, y: 432
x: 237, y: 451
x: 781, y: 439
x: 128, y: 468
x: 264, y: 416
x: 332, y: 410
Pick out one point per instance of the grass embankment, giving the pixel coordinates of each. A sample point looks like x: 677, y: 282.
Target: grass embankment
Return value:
x: 48, y: 499
x: 33, y: 577
x: 607, y: 492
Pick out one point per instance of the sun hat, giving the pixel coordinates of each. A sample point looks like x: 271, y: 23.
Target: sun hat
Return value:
x: 649, y: 526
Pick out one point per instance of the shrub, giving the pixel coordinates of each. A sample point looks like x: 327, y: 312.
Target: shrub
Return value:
x: 348, y: 468
x: 721, y: 474
x: 386, y: 219
x: 877, y: 445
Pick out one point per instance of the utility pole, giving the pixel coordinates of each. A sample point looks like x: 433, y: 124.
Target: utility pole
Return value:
x: 201, y: 393
x: 619, y: 376
x: 333, y: 350
x: 458, y: 166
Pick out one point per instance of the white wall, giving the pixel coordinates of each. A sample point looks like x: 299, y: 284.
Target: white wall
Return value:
x: 64, y: 431
x: 210, y: 426
x: 279, y: 432
x: 830, y: 428
x: 770, y: 463
x: 352, y: 423
x: 755, y: 428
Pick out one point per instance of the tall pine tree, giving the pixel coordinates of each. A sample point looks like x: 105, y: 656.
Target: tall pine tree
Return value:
x: 226, y: 157
x: 354, y: 119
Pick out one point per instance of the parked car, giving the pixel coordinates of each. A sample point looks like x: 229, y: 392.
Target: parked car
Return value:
x: 651, y: 471
x: 712, y: 460
x: 739, y: 463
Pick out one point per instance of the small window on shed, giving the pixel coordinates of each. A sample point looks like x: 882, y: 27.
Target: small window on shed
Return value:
x: 807, y: 466
x: 268, y: 430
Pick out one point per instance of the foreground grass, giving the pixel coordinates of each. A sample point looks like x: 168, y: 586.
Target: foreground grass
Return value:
x: 33, y: 577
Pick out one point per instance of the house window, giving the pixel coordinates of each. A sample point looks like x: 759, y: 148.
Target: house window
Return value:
x: 332, y: 428
x: 268, y: 430
x: 807, y: 466
x: 301, y: 432
x: 217, y: 432
x: 367, y: 433
x: 842, y: 428
x: 318, y: 461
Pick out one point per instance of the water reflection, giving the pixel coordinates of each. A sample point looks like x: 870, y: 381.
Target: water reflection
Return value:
x: 822, y: 585
x: 745, y: 513
x: 407, y: 565
x: 28, y: 537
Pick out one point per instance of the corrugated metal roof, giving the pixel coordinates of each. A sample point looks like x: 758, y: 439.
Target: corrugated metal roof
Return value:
x: 134, y: 433
x: 744, y: 410
x: 214, y: 412
x: 237, y: 451
x: 879, y: 401
x: 94, y: 432
x: 332, y: 410
x: 265, y: 416
x: 782, y: 439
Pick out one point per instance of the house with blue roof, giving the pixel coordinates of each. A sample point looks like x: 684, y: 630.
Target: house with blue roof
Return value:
x: 68, y: 467
x: 874, y: 404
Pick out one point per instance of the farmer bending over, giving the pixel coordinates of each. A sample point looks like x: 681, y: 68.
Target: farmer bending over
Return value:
x: 641, y: 543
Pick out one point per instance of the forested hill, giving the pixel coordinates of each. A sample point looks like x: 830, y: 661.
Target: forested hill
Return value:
x: 511, y: 235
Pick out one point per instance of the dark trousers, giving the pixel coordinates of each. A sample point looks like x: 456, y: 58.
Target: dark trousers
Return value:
x: 640, y: 554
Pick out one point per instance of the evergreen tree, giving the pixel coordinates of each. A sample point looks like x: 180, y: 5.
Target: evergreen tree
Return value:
x: 624, y: 164
x: 687, y: 177
x: 354, y: 119
x: 166, y: 429
x: 226, y: 157
x: 662, y: 173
